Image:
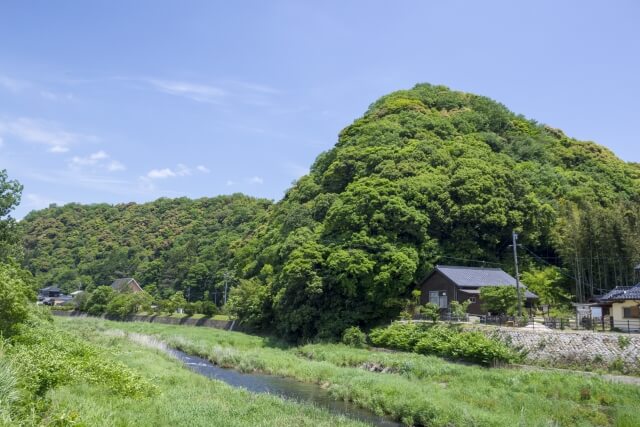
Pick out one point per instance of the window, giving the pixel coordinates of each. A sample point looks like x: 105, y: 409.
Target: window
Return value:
x: 472, y: 300
x: 438, y: 298
x: 434, y: 297
x: 631, y: 312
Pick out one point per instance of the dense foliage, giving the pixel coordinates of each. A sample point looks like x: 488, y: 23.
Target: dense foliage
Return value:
x: 426, y: 176
x: 170, y: 244
x: 444, y: 341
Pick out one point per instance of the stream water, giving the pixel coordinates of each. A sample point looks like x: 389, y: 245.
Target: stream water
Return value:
x: 283, y: 387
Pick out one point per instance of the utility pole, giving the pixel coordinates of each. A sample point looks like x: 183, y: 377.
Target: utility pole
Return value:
x: 226, y: 284
x: 515, y: 261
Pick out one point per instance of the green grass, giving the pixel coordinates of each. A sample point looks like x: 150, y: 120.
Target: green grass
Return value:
x: 415, y: 389
x: 185, y: 398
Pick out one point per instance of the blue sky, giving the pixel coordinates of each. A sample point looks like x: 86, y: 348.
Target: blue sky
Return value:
x: 116, y: 101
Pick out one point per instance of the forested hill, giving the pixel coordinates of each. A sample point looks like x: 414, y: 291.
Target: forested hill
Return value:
x: 426, y: 176
x: 174, y: 244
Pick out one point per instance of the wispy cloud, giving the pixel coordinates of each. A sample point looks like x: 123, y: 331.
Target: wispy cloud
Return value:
x: 42, y: 132
x: 194, y: 91
x: 224, y: 93
x: 180, y: 170
x: 203, y: 169
x: 99, y: 160
x: 17, y: 86
x: 256, y: 180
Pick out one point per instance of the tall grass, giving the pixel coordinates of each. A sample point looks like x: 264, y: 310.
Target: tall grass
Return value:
x: 8, y: 391
x: 185, y: 398
x: 415, y: 389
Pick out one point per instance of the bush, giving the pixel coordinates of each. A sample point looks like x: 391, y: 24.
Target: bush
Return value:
x: 354, y: 337
x: 444, y: 341
x: 45, y: 357
x: 14, y: 299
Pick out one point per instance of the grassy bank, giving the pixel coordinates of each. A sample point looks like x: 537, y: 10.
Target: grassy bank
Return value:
x: 413, y: 388
x: 80, y: 377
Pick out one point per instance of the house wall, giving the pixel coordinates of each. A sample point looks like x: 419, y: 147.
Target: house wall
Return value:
x: 438, y: 282
x: 617, y: 312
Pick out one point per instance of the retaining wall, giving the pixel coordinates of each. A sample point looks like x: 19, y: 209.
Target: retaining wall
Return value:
x: 573, y: 348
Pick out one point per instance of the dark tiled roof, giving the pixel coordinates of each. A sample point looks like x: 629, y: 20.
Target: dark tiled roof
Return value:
x: 622, y: 293
x: 51, y: 289
x: 476, y: 277
x: 473, y: 277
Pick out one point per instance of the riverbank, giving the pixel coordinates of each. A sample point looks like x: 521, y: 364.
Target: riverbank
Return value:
x: 183, y: 397
x: 412, y: 388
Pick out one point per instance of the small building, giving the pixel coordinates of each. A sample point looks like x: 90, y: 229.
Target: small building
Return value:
x: 453, y: 283
x: 49, y: 292
x: 126, y: 284
x: 625, y: 307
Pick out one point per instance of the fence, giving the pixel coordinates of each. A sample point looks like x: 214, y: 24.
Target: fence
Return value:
x: 602, y: 324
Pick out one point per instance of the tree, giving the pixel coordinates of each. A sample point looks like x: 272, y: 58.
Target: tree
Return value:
x: 431, y: 311
x: 549, y: 285
x: 177, y: 301
x: 99, y: 299
x: 10, y: 193
x: 248, y: 302
x: 500, y: 299
x: 15, y: 299
x: 125, y: 304
x: 459, y: 309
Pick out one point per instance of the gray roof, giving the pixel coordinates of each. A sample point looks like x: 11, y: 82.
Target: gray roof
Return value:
x: 477, y: 277
x: 473, y: 277
x: 622, y: 293
x: 51, y: 289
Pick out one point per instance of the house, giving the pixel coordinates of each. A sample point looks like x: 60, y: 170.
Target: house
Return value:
x: 453, y: 283
x: 49, y: 292
x: 625, y: 306
x: 126, y: 284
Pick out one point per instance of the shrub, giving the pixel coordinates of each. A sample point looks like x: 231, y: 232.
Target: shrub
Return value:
x: 431, y: 311
x: 14, y: 300
x: 443, y: 341
x: 354, y: 337
x: 623, y: 342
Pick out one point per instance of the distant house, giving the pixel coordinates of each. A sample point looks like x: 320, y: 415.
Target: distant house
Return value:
x: 452, y: 283
x: 49, y: 292
x: 625, y: 306
x: 126, y: 284
x: 52, y: 295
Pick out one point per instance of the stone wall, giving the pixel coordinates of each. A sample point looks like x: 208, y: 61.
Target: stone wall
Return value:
x: 577, y: 349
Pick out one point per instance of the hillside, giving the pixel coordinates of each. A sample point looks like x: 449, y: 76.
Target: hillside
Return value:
x: 426, y: 176
x: 174, y: 244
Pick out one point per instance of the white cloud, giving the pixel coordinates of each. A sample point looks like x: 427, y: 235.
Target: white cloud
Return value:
x: 1, y: 142
x: 203, y: 169
x: 230, y: 183
x: 193, y: 91
x: 42, y: 132
x: 115, y: 166
x: 256, y: 180
x: 98, y: 160
x: 160, y: 173
x: 180, y: 170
